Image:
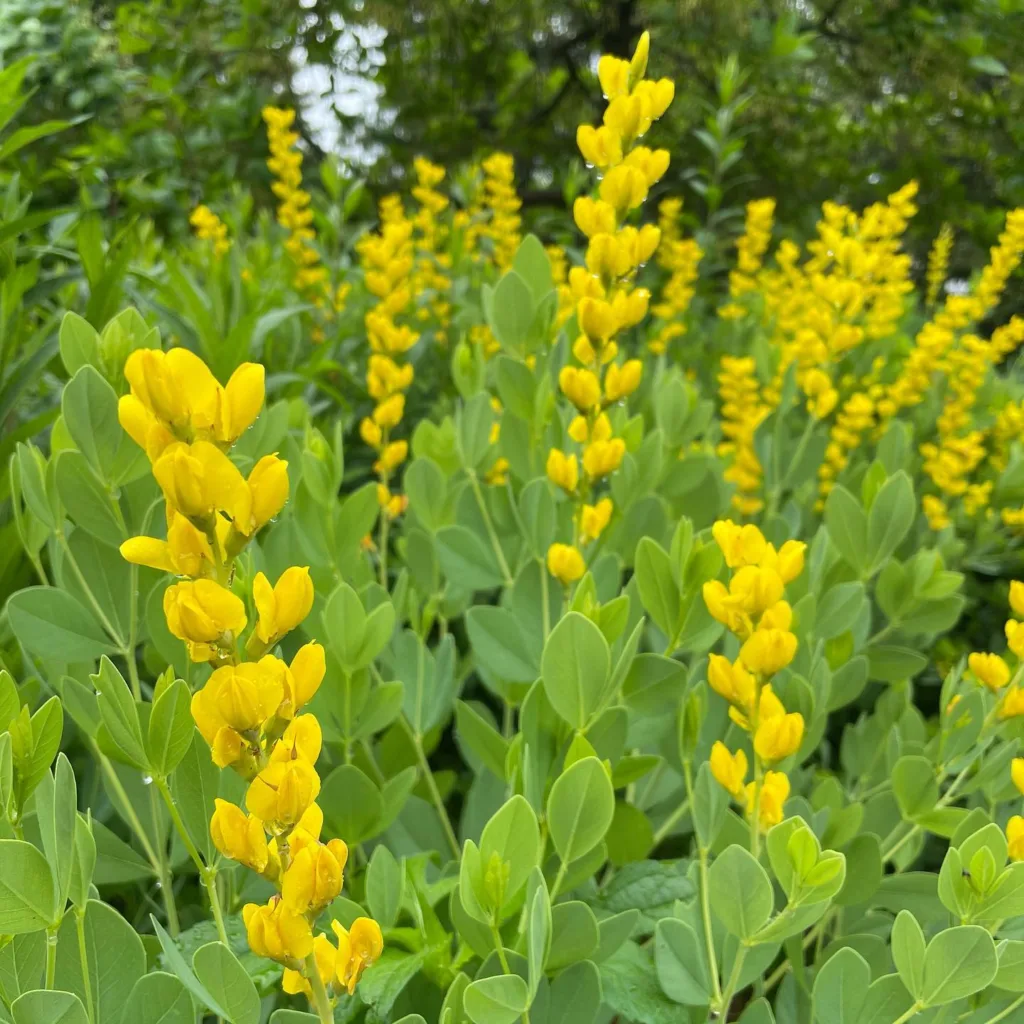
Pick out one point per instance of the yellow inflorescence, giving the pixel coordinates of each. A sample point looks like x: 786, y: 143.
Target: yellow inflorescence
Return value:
x: 680, y: 257
x: 388, y: 260
x: 938, y: 263
x: 250, y: 709
x: 502, y: 204
x: 742, y: 413
x: 606, y: 300
x: 432, y: 262
x: 753, y: 608
x: 210, y: 228
x: 293, y: 210
x: 750, y: 249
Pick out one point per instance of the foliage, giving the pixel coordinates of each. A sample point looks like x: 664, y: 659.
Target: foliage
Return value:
x: 433, y: 623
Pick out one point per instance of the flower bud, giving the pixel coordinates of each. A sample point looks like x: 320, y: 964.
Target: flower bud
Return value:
x: 204, y: 614
x: 990, y: 670
x: 276, y: 932
x: 282, y: 607
x: 581, y: 387
x: 563, y: 470
x: 767, y: 651
x: 282, y: 792
x: 771, y: 799
x: 268, y: 487
x: 565, y: 563
x: 600, y: 458
x: 729, y: 769
x: 314, y: 876
x: 594, y: 519
x: 238, y: 837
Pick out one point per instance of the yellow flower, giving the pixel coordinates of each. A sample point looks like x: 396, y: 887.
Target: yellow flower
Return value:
x: 779, y: 736
x: 358, y: 948
x: 651, y: 163
x: 741, y: 545
x: 1017, y: 773
x: 624, y: 188
x: 778, y: 616
x: 638, y: 62
x: 565, y: 563
x: 392, y: 456
x: 657, y: 95
x: 205, y: 615
x: 326, y: 955
x: 307, y: 831
x: 302, y: 678
x: 282, y: 792
x: 370, y: 432
x: 622, y: 381
x: 268, y: 486
x: 613, y: 74
x: 731, y: 681
x: 199, y: 480
x: 631, y: 306
x: 600, y: 147
x: 241, y: 697
x: 1015, y: 837
x: 186, y: 552
x: 790, y: 560
x: 1015, y: 636
x: 767, y: 651
x: 729, y: 769
x: 594, y: 519
x: 754, y: 589
x: 283, y: 606
x: 563, y: 470
x: 773, y: 796
x: 628, y: 117
x: 301, y: 741
x: 389, y: 412
x: 990, y: 670
x: 1012, y: 705
x: 603, y: 457
x: 276, y: 932
x: 593, y: 217
x: 314, y: 876
x: 1017, y: 598
x: 725, y: 608
x: 239, y: 837
x: 581, y: 387
x: 143, y: 427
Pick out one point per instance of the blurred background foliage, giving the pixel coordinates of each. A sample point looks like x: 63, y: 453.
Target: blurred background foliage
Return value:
x: 837, y: 99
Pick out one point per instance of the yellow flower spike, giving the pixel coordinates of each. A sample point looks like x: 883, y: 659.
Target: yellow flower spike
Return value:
x: 990, y: 670
x: 284, y: 605
x: 1017, y: 598
x: 1017, y: 773
x: 729, y: 769
x: 621, y: 381
x: 731, y: 681
x: 773, y: 796
x: 563, y: 470
x: 268, y: 486
x: 389, y: 413
x: 601, y: 458
x: 358, y: 948
x: 624, y: 188
x: 593, y: 217
x: 779, y: 736
x: 202, y: 612
x: 199, y: 480
x: 581, y: 387
x: 314, y: 877
x: 239, y: 837
x: 1015, y: 837
x: 276, y: 932
x: 1012, y: 705
x: 282, y: 792
x: 244, y: 696
x: 301, y: 741
x: 565, y: 563
x: 295, y: 984
x: 613, y: 74
x: 767, y: 651
x: 594, y: 519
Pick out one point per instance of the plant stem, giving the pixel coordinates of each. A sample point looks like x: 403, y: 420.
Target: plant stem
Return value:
x: 1003, y: 1014
x: 164, y: 869
x: 671, y: 821
x: 559, y: 879
x: 319, y: 999
x: 133, y: 629
x: 503, y: 960
x: 382, y: 547
x: 51, y: 953
x: 83, y: 956
x: 206, y: 873
x: 435, y: 793
x: 491, y: 533
x: 912, y: 1012
x: 705, y: 895
x: 734, y: 979
x: 91, y: 597
x: 545, y: 599
x: 129, y: 811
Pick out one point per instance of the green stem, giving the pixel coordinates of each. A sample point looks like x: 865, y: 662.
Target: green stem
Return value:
x: 133, y: 631
x: 129, y: 811
x: 206, y: 873
x: 51, y: 954
x: 319, y: 999
x: 164, y: 869
x: 382, y: 547
x: 503, y: 960
x: 1003, y: 1014
x: 563, y: 867
x: 491, y: 533
x: 671, y: 821
x: 83, y: 956
x: 90, y: 596
x: 705, y: 896
x: 545, y: 599
x: 435, y: 793
x: 912, y: 1012
x: 734, y: 980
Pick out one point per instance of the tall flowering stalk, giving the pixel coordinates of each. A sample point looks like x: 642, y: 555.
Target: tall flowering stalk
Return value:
x: 607, y: 301
x: 502, y: 204
x: 680, y: 257
x: 753, y: 608
x: 210, y: 228
x: 432, y: 264
x: 938, y: 264
x: 250, y: 709
x: 750, y: 249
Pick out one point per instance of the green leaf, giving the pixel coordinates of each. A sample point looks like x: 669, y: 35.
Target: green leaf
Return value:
x: 580, y: 809
x: 384, y: 885
x: 891, y: 664
x: 159, y: 998
x: 513, y: 836
x: 574, y: 934
x: 891, y: 517
x: 293, y: 1017
x: 501, y: 999
x: 219, y: 971
x: 538, y: 929
x: 575, y: 667
x: 511, y: 312
x: 120, y: 715
x: 86, y: 500
x: 116, y: 960
x: 658, y: 591
x: 838, y: 609
x: 500, y: 645
x: 1011, y: 965
x: 958, y: 962
x: 575, y: 995
x: 682, y: 963
x: 988, y: 65
x: 176, y: 962
x: 57, y: 815
x: 170, y: 728
x: 539, y: 514
x: 533, y: 265
x: 914, y: 785
x: 352, y: 804
x: 466, y: 560
x: 741, y: 892
x: 50, y: 622
x: 473, y: 425
x: 26, y: 888
x: 481, y: 738
x: 344, y: 621
x: 424, y: 483
x: 89, y: 406
x: 22, y: 961
x: 49, y: 1007
x: 840, y: 988
x: 847, y: 527
x: 908, y: 952
x: 79, y: 343
x: 83, y: 866
x: 194, y: 787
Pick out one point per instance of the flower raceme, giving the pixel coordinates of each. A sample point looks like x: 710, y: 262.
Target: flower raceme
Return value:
x: 248, y: 710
